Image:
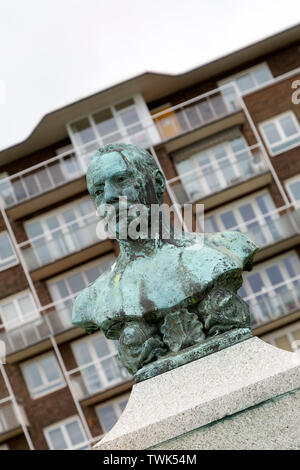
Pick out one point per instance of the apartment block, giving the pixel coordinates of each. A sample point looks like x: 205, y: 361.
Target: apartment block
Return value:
x: 226, y: 135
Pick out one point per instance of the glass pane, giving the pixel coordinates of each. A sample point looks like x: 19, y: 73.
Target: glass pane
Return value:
x: 33, y: 376
x: 50, y: 368
x: 31, y: 185
x: 34, y: 229
x: 274, y: 275
x: 295, y: 190
x: 106, y: 125
x: 245, y: 82
x: 57, y: 439
x: 130, y: 117
x: 262, y: 75
x: 210, y: 225
x: 288, y: 125
x: 44, y: 179
x: 256, y: 282
x: 82, y: 353
x: 82, y: 131
x: 92, y: 274
x: 5, y: 247
x: 271, y: 133
x: 74, y: 432
x: 229, y: 220
x: 59, y: 290
x: 122, y: 405
x: 26, y: 305
x: 9, y: 313
x: 101, y: 347
x: 76, y: 283
x: 107, y: 417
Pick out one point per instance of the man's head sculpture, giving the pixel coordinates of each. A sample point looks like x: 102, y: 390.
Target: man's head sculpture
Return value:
x: 167, y: 302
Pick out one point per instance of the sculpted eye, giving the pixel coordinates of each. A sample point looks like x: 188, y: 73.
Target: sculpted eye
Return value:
x: 98, y: 192
x: 121, y: 179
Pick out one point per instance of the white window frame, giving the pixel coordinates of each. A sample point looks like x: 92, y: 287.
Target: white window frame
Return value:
x: 286, y: 331
x: 201, y: 177
x: 14, y: 258
x: 97, y: 362
x: 142, y: 111
x: 260, y: 217
x: 14, y: 299
x: 250, y: 71
x: 81, y: 269
x: 64, y: 227
x: 40, y: 391
x: 61, y: 425
x: 287, y: 184
x: 115, y: 402
x: 284, y: 139
x: 261, y: 267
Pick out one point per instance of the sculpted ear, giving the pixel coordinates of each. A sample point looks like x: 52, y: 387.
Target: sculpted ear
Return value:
x: 160, y: 182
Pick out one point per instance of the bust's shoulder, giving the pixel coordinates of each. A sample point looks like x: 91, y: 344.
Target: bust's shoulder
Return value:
x: 86, y: 299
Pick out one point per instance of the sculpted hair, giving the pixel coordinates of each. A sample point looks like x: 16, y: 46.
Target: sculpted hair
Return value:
x: 142, y: 159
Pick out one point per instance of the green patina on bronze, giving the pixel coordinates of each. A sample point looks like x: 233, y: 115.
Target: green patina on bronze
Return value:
x: 167, y: 301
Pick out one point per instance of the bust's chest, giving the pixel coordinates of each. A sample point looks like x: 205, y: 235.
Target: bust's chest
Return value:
x: 161, y: 282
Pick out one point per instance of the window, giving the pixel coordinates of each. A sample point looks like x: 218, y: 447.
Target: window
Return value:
x: 4, y: 447
x: 247, y: 81
x: 66, y: 435
x: 218, y: 167
x: 75, y: 280
x: 128, y: 121
x: 43, y: 375
x: 109, y: 413
x: 256, y: 217
x: 293, y: 188
x: 98, y: 362
x: 286, y: 338
x: 273, y: 288
x: 8, y: 256
x: 6, y: 192
x: 281, y: 133
x: 69, y: 284
x: 18, y: 309
x: 61, y: 232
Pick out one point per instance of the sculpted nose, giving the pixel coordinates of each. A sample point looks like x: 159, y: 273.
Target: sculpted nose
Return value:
x: 110, y: 193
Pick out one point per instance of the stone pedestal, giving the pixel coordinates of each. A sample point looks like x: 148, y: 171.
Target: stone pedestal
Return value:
x: 246, y: 396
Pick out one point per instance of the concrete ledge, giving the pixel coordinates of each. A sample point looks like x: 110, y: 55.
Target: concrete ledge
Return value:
x: 185, y: 399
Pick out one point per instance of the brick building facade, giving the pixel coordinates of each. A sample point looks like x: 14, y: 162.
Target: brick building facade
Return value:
x: 227, y: 135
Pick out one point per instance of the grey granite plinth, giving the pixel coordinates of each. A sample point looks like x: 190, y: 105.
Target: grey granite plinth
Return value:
x: 206, y: 347
x: 173, y: 408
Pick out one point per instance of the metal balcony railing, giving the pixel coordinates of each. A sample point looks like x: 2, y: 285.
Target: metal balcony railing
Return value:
x: 272, y: 227
x: 52, y: 319
x: 70, y: 165
x: 8, y: 416
x: 273, y: 303
x: 216, y: 176
x: 63, y: 241
x: 98, y: 376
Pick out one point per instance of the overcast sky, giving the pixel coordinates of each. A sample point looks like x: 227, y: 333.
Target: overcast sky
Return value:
x: 53, y: 52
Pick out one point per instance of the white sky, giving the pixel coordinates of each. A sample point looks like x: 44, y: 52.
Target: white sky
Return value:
x: 53, y: 52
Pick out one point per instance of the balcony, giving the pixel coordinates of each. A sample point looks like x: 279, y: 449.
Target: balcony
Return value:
x: 62, y: 176
x: 220, y: 181
x: 10, y: 424
x: 33, y: 337
x: 273, y: 232
x: 64, y: 247
x: 272, y: 308
x: 95, y: 380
